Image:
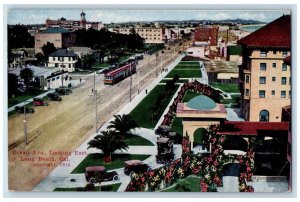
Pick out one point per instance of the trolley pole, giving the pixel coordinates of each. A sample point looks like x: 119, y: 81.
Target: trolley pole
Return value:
x: 25, y: 126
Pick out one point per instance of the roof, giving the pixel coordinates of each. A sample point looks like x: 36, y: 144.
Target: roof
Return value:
x: 55, y: 30
x: 201, y: 102
x: 37, y: 71
x: 63, y: 53
x: 274, y: 34
x: 251, y: 128
x: 133, y: 162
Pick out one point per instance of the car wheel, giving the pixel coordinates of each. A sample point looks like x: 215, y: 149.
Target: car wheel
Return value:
x: 49, y: 99
x: 19, y: 112
x: 148, y: 169
x: 116, y: 178
x: 131, y: 174
x: 30, y: 111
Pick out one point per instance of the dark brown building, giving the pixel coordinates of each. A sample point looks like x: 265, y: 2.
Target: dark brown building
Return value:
x: 207, y: 33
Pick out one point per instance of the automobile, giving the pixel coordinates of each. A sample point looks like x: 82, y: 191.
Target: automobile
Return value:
x: 39, y: 102
x: 54, y: 97
x: 135, y: 166
x: 20, y: 110
x: 163, y: 130
x: 63, y: 91
x: 98, y: 174
x: 165, y: 151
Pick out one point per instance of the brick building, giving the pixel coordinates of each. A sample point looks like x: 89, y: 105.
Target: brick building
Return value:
x: 265, y: 80
x: 207, y: 33
x: 60, y: 37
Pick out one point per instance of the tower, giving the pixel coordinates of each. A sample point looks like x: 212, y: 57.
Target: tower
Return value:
x: 82, y: 16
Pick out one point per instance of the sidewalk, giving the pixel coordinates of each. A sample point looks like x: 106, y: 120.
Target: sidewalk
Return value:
x: 204, y: 78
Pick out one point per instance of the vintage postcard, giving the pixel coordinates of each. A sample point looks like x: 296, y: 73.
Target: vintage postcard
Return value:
x: 149, y: 100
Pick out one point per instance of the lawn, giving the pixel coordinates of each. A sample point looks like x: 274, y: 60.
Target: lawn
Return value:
x: 185, y: 73
x: 138, y: 140
x: 142, y: 112
x: 188, y: 65
x: 179, y: 81
x: 112, y: 187
x: 189, y: 184
x: 228, y: 88
x: 22, y: 98
x: 96, y: 159
x: 233, y: 103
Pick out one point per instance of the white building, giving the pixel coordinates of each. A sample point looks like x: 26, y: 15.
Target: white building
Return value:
x: 62, y: 58
x: 48, y: 78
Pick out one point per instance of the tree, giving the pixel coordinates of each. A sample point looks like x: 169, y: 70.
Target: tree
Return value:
x: 12, y: 80
x: 123, y: 125
x: 48, y: 49
x: 88, y: 61
x: 18, y: 37
x: 27, y: 75
x: 107, y: 142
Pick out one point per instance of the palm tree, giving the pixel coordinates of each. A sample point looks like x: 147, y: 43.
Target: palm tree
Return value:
x: 123, y: 125
x: 107, y: 142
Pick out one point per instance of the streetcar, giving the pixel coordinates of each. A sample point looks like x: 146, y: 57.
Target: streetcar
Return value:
x: 120, y: 73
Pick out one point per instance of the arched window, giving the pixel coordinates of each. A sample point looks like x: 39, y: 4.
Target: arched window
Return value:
x: 264, y: 116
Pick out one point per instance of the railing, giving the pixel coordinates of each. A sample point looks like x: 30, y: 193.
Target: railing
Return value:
x: 269, y: 178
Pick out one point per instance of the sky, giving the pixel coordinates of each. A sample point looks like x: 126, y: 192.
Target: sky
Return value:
x: 38, y: 16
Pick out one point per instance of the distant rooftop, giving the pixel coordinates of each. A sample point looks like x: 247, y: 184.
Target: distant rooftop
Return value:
x: 63, y: 53
x: 55, y: 30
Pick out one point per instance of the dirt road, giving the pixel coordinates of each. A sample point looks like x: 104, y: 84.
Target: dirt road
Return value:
x: 59, y: 128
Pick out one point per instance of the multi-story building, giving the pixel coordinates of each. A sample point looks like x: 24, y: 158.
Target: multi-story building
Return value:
x: 60, y: 37
x: 63, y: 58
x: 265, y: 80
x: 74, y: 24
x: 207, y: 33
x: 152, y: 35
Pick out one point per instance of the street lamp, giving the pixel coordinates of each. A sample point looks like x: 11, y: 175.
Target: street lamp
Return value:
x: 25, y: 125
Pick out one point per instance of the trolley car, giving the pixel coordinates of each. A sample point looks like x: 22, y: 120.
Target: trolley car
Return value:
x: 120, y: 73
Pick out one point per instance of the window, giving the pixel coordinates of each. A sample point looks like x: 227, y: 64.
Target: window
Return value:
x: 273, y: 78
x: 283, y: 80
x: 273, y: 92
x: 56, y: 64
x: 58, y: 58
x: 53, y: 79
x: 284, y: 67
x: 274, y: 52
x: 69, y: 65
x: 247, y: 78
x: 274, y: 65
x: 53, y: 58
x: 290, y: 81
x: 262, y: 80
x: 247, y: 92
x: 284, y: 53
x: 263, y: 54
x: 262, y: 94
x: 264, y: 116
x: 283, y: 94
x: 263, y: 66
x: 289, y: 94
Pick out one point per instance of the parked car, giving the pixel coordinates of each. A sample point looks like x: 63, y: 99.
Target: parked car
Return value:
x: 54, y: 97
x: 96, y: 174
x: 165, y: 150
x: 63, y: 91
x: 39, y: 102
x: 135, y: 166
x: 20, y: 110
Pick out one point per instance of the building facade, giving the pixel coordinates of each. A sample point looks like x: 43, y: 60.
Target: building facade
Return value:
x: 207, y: 33
x: 152, y: 35
x: 73, y: 25
x: 265, y: 80
x: 64, y: 59
x: 60, y: 37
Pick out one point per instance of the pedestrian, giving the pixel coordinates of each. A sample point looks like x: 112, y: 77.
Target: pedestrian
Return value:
x: 80, y: 80
x: 146, y: 91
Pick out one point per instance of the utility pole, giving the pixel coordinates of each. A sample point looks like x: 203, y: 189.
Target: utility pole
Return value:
x: 138, y: 74
x: 130, y: 80
x: 25, y: 125
x: 156, y: 55
x: 95, y: 100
